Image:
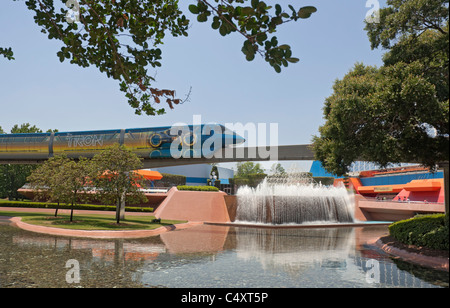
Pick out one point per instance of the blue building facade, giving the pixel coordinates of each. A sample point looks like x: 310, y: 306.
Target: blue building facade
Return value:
x: 317, y: 170
x: 394, y: 179
x: 198, y: 175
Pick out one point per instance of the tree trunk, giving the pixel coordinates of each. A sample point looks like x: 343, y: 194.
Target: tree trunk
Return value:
x: 71, y: 212
x: 120, y: 209
x: 56, y: 210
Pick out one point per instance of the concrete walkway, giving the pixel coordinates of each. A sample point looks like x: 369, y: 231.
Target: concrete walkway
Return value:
x: 435, y: 262
x: 67, y: 211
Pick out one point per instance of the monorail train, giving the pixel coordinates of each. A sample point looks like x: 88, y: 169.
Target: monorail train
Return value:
x: 156, y: 142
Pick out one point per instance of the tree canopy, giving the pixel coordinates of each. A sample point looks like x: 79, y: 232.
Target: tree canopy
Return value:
x: 13, y: 177
x: 122, y: 38
x: 398, y: 112
x: 248, y: 173
x: 62, y: 179
x: 113, y: 177
x: 109, y: 174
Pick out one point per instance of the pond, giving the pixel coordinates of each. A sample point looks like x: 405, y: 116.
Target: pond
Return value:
x: 208, y: 256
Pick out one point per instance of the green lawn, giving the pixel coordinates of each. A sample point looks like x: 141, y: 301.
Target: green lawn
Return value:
x: 90, y: 221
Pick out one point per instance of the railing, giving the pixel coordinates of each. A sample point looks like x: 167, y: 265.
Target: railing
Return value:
x: 400, y: 201
x: 155, y: 190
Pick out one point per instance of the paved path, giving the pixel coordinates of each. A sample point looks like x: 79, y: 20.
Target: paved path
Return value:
x: 105, y: 234
x: 66, y: 211
x: 89, y: 233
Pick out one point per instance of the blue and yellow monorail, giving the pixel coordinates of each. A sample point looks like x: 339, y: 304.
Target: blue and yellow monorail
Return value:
x: 145, y: 142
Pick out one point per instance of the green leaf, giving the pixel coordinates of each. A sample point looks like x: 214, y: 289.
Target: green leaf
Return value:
x: 247, y: 10
x: 193, y: 9
x: 216, y: 23
x: 7, y: 53
x: 277, y: 68
x: 306, y: 11
x: 202, y: 17
x: 202, y: 7
x: 274, y: 41
x: 223, y: 30
x: 293, y: 60
x: 261, y: 37
x: 292, y: 8
x: 277, y: 9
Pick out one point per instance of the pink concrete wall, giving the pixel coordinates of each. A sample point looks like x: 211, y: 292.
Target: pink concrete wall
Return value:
x: 430, y: 196
x: 193, y: 206
x: 369, y: 209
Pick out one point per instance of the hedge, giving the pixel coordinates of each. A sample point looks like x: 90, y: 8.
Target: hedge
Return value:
x: 197, y: 188
x: 430, y: 231
x: 92, y: 207
x: 169, y: 180
x: 251, y: 180
x: 325, y: 180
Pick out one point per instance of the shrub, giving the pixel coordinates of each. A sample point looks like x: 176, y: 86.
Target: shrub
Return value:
x: 430, y: 231
x: 216, y: 183
x: 169, y: 180
x: 251, y: 180
x: 197, y: 188
x: 92, y: 207
x: 327, y: 181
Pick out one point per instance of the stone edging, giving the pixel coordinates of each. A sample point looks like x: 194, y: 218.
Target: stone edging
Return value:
x: 439, y: 263
x: 99, y: 233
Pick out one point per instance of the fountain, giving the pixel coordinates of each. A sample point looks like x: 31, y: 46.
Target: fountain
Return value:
x: 293, y: 198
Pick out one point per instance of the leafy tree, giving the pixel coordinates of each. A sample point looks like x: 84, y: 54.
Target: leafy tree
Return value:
x: 44, y: 180
x: 25, y: 128
x: 61, y: 179
x: 13, y: 177
x: 113, y: 177
x: 122, y: 38
x: 277, y: 169
x: 400, y: 111
x: 72, y: 180
x: 246, y: 168
x: 7, y: 53
x: 249, y: 173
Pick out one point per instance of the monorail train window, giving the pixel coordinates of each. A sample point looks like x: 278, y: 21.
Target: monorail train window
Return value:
x: 36, y: 138
x: 211, y: 129
x: 227, y: 131
x: 18, y: 139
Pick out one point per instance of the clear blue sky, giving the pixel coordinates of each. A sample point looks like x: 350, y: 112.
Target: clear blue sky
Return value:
x: 38, y: 89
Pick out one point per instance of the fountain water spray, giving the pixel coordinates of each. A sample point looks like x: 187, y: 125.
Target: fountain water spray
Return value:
x: 293, y: 198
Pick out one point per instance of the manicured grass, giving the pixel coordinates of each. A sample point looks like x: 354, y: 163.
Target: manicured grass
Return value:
x: 49, y: 205
x: 90, y: 221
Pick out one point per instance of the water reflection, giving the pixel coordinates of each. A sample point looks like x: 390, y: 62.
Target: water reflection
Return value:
x: 210, y: 256
x: 295, y: 248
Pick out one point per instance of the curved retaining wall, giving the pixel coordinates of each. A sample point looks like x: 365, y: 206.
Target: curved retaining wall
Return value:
x: 97, y: 233
x: 193, y: 206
